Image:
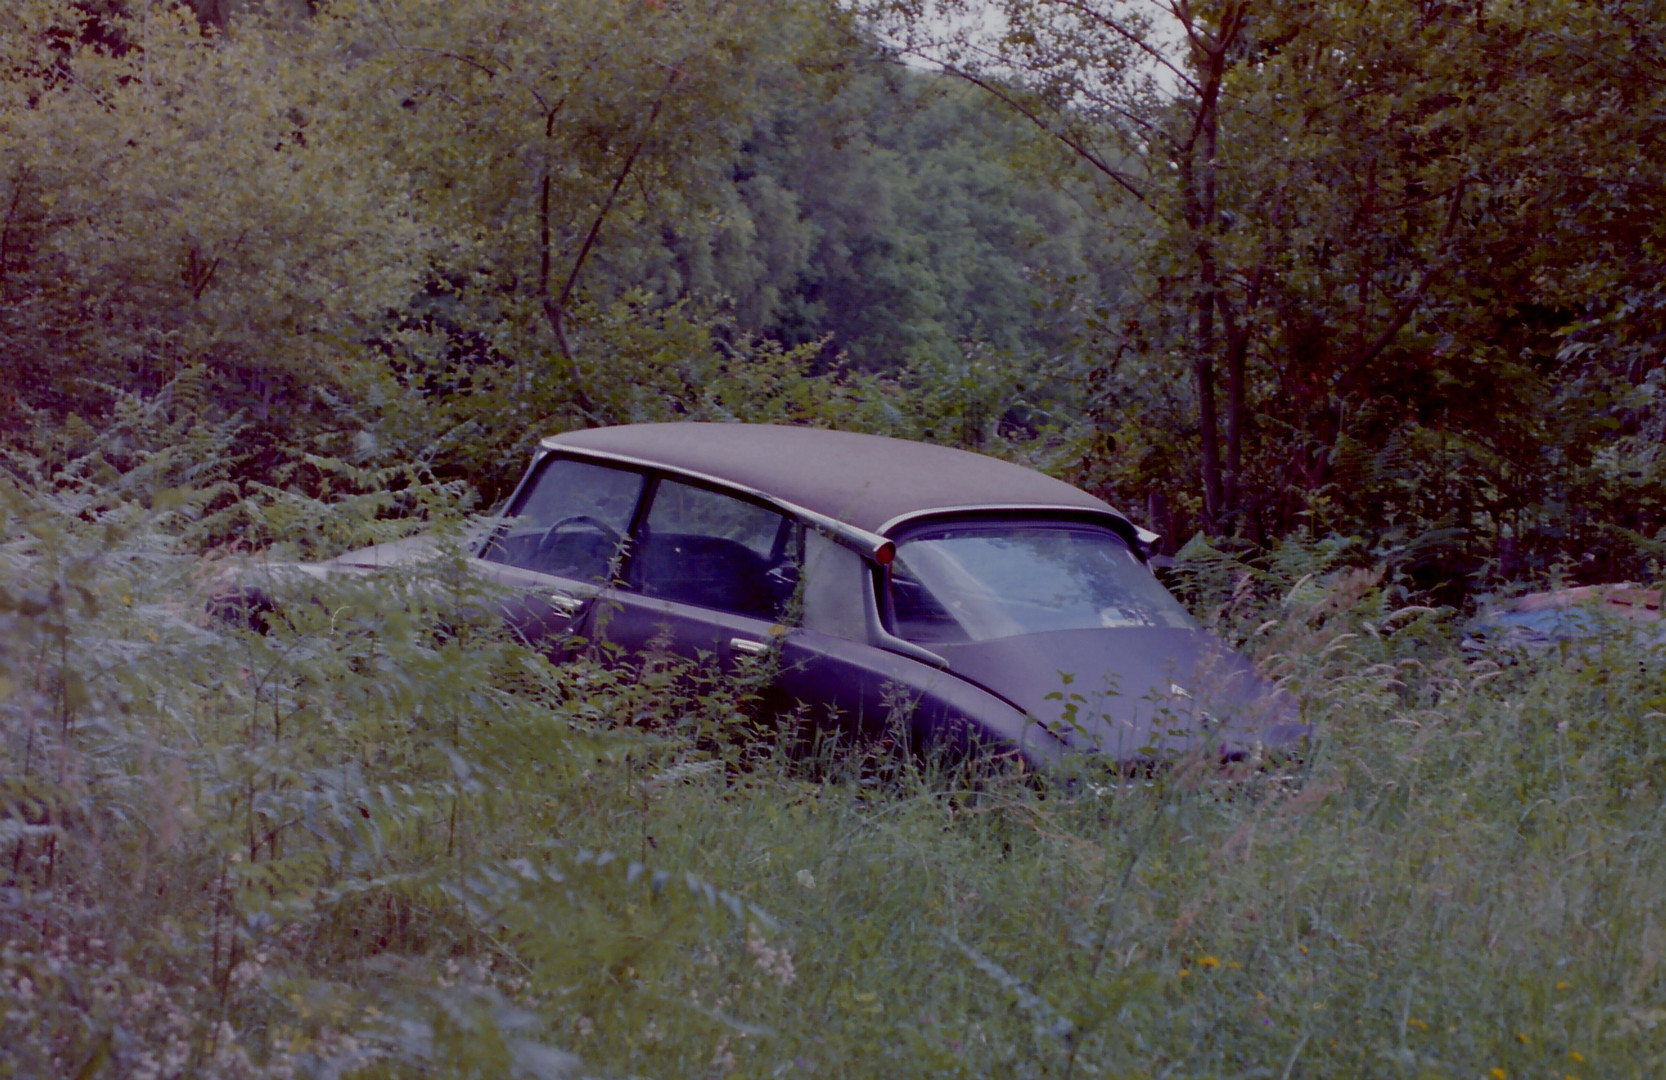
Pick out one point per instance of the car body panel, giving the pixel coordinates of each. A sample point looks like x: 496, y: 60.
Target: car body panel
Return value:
x: 867, y: 693
x: 1133, y: 692
x: 622, y: 571
x: 646, y: 624
x: 863, y: 481
x: 543, y: 608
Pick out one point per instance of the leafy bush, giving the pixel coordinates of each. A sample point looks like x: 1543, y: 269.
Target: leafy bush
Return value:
x: 387, y: 839
x: 217, y: 841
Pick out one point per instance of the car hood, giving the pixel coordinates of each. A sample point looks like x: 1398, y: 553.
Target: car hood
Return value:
x: 408, y: 551
x: 1135, y: 693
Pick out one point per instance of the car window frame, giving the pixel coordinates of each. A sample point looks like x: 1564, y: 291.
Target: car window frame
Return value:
x: 541, y: 464
x: 794, y: 525
x: 900, y: 531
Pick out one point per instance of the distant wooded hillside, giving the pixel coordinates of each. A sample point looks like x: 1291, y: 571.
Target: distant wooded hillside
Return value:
x: 1391, y: 274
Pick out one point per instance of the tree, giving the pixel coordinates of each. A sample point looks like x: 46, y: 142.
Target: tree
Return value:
x: 174, y: 199
x: 922, y: 228
x: 1376, y: 224
x: 557, y: 137
x: 407, y: 231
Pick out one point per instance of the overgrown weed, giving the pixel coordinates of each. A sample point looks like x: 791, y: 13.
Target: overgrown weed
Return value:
x: 387, y: 838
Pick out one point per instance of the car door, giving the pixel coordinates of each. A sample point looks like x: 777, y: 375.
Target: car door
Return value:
x: 714, y: 577
x: 829, y: 673
x: 560, y: 544
x: 709, y: 575
x: 839, y: 677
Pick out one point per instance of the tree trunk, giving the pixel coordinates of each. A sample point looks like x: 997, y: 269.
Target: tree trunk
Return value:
x: 1197, y: 177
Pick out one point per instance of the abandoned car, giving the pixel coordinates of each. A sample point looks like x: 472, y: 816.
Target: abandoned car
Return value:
x: 895, y: 587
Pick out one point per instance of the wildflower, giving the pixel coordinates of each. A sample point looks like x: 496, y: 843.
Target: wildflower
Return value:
x: 1234, y: 965
x: 1414, y: 1022
x: 1208, y: 962
x: 1498, y: 1074
x: 1575, y: 1056
x: 777, y: 963
x: 1303, y: 948
x: 1521, y: 1037
x: 1563, y: 984
x: 1185, y: 972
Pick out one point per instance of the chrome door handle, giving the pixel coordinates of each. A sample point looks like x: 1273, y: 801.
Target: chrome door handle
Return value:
x: 564, y: 604
x: 748, y: 646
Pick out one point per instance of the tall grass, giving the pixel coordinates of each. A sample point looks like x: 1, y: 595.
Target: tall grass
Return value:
x: 387, y: 839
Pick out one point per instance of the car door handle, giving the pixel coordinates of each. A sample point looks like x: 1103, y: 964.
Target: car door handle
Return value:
x: 748, y: 646
x: 564, y: 604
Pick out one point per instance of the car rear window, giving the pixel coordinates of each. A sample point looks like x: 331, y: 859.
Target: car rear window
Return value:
x: 984, y: 580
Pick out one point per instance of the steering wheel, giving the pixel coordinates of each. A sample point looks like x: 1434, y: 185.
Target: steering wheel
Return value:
x: 548, y: 544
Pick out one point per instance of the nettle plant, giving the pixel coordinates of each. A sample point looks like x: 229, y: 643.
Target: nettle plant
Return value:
x: 333, y: 845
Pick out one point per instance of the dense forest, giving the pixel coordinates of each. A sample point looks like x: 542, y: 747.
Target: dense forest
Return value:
x: 1361, y: 305
x: 1389, y: 274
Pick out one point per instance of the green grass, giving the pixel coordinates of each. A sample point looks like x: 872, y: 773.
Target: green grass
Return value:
x: 362, y: 846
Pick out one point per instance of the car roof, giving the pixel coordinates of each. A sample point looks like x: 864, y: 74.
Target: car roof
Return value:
x: 869, y: 481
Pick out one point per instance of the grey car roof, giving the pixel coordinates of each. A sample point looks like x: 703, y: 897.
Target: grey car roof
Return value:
x: 869, y: 481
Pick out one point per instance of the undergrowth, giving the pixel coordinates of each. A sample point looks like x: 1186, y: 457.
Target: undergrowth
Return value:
x: 388, y: 839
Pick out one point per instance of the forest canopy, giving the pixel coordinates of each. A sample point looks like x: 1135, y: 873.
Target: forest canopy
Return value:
x: 1251, y: 268
x: 1361, y: 304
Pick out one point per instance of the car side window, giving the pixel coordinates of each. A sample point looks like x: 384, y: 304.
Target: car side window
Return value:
x: 703, y: 547
x: 571, y: 521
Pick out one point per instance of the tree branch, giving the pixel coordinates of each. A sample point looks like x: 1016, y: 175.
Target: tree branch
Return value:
x: 1132, y: 38
x: 1425, y: 278
x: 1116, y: 176
x: 11, y: 216
x: 555, y: 310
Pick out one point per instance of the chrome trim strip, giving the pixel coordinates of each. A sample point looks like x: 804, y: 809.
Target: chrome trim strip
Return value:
x: 867, y: 544
x: 882, y: 638
x: 1010, y: 508
x: 539, y: 453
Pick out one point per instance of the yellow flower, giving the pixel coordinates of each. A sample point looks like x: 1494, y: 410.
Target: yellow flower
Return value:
x: 1185, y: 972
x: 1521, y: 1037
x: 1303, y: 948
x: 1575, y: 1056
x: 1414, y: 1022
x: 1208, y: 962
x: 1498, y: 1074
x: 1563, y: 984
x: 1234, y: 965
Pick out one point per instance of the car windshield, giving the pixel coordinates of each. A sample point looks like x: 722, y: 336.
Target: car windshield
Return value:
x: 985, y: 580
